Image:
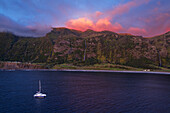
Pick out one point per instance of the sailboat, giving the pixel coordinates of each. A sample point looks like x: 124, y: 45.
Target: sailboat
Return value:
x: 39, y: 94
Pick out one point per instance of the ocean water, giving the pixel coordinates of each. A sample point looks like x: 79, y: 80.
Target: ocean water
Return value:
x: 81, y: 92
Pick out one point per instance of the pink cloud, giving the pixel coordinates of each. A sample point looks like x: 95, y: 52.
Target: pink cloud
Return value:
x: 162, y: 17
x: 157, y: 23
x: 85, y: 23
x: 104, y: 21
x: 155, y: 9
x: 167, y: 29
x: 105, y: 24
x: 98, y: 13
x: 80, y: 24
x: 136, y: 31
x: 123, y: 8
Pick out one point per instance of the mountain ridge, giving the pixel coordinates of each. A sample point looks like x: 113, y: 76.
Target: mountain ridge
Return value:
x: 63, y: 45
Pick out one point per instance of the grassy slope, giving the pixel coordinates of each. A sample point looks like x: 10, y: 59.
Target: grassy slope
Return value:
x: 106, y: 67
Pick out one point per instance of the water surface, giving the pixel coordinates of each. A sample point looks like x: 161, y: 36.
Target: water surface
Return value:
x: 84, y: 92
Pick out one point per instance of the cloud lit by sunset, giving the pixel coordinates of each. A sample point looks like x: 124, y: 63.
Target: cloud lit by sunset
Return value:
x: 146, y: 17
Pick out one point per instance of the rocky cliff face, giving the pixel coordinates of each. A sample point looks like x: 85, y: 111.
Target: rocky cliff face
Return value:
x: 63, y: 45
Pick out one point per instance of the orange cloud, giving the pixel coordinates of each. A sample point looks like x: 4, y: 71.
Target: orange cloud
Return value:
x: 85, y: 23
x: 105, y: 24
x: 80, y: 24
x: 99, y: 24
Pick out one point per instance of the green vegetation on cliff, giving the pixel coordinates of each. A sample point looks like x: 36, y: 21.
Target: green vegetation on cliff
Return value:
x: 82, y: 49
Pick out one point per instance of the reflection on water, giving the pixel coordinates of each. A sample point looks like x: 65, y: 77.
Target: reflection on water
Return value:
x: 84, y: 92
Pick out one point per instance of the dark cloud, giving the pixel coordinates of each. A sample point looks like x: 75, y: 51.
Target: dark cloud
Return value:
x: 7, y: 24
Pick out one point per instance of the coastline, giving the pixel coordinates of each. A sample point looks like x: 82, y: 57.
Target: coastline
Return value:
x: 94, y: 71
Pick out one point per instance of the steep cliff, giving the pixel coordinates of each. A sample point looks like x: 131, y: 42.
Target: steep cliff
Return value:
x: 63, y: 45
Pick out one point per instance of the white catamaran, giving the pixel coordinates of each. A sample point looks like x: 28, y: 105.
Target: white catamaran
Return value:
x: 39, y: 94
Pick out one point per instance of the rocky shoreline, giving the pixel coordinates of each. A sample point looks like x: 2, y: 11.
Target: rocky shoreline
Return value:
x: 18, y: 66
x: 93, y: 71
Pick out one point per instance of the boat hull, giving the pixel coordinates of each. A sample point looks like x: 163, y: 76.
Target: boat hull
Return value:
x: 39, y: 97
x: 39, y: 94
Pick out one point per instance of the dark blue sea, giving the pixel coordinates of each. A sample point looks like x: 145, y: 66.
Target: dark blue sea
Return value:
x: 84, y: 92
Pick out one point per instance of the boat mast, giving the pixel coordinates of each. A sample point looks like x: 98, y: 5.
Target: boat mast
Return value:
x: 39, y: 86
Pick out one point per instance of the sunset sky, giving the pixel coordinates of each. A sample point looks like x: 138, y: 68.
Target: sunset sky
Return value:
x: 36, y: 17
